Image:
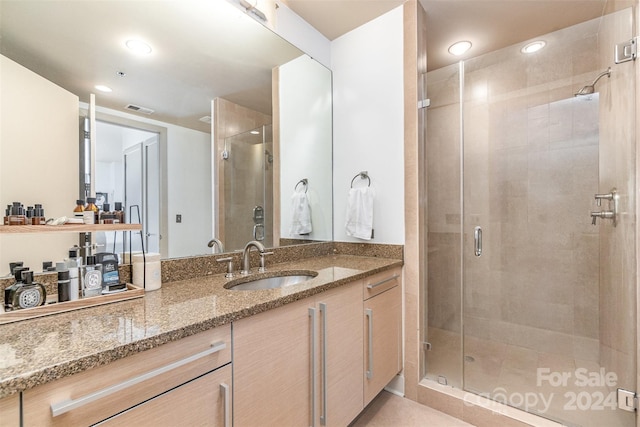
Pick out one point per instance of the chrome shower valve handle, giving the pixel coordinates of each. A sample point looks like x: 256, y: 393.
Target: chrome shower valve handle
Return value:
x: 612, y: 212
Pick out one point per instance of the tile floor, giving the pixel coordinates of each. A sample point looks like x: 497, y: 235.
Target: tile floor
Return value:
x: 389, y: 410
x: 497, y: 369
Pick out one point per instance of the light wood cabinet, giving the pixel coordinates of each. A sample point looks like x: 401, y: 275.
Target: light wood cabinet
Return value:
x: 301, y: 364
x: 272, y: 365
x: 205, y: 401
x: 10, y: 411
x: 97, y: 394
x: 382, y: 332
x: 340, y: 332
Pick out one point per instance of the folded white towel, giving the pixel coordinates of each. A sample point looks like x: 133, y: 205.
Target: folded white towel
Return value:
x: 300, y: 213
x: 360, y: 213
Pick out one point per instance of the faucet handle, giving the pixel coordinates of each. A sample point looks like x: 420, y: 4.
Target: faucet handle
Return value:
x: 263, y: 267
x: 229, y: 261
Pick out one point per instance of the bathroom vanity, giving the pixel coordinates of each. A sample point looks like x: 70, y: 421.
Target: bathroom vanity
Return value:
x: 317, y: 350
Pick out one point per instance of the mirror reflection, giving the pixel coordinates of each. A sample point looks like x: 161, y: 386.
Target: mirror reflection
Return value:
x: 213, y: 76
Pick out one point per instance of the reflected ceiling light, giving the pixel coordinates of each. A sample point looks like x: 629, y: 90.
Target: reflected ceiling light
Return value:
x: 459, y: 48
x: 533, y: 46
x: 255, y: 132
x: 138, y: 46
x: 103, y: 88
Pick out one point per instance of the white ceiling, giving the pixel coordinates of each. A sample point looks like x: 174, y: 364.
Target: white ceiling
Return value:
x: 202, y: 50
x: 488, y: 24
x: 208, y: 49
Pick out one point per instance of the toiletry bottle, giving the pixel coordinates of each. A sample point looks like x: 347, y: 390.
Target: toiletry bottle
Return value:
x: 106, y: 216
x: 78, y: 211
x: 38, y: 215
x: 47, y: 266
x: 74, y: 262
x: 7, y: 213
x: 119, y: 212
x: 64, y: 282
x: 91, y: 207
x: 91, y: 278
x: 30, y: 294
x: 29, y: 215
x: 17, y: 216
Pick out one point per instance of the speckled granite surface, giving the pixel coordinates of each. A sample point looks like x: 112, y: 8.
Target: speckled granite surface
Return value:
x: 38, y: 351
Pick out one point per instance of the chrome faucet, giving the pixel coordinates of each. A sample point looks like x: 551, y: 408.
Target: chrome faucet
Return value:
x: 216, y: 242
x: 246, y: 258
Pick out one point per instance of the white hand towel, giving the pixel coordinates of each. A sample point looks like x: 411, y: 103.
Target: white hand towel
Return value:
x: 300, y: 214
x: 360, y: 213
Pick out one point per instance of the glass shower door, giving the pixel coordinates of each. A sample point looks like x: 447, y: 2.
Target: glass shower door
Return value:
x: 248, y: 188
x: 549, y: 312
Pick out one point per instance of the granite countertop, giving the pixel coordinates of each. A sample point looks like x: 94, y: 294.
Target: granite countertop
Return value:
x: 38, y: 351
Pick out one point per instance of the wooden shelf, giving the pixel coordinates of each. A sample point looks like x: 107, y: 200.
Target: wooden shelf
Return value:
x: 68, y: 228
x: 132, y: 292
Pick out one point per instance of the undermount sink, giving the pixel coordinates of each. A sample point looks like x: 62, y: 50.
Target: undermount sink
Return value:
x: 279, y: 279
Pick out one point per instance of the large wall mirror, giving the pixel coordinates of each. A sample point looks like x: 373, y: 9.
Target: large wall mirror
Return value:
x: 217, y: 130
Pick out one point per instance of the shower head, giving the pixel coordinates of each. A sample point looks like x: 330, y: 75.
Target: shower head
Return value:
x: 589, y: 89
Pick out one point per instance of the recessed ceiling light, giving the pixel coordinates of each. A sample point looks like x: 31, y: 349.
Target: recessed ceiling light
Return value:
x: 533, y: 46
x: 138, y: 46
x: 103, y: 88
x: 459, y: 48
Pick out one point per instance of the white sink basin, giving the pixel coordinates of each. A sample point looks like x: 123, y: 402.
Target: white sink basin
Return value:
x: 280, y: 280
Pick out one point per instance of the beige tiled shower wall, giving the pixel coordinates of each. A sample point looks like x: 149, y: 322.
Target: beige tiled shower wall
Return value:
x: 230, y: 119
x: 532, y: 165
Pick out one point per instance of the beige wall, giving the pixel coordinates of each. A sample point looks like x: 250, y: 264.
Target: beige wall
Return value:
x: 39, y: 139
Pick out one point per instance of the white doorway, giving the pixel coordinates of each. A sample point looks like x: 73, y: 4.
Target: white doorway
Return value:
x: 128, y: 171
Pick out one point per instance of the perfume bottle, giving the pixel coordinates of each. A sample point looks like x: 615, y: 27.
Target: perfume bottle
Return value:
x: 9, y: 292
x: 91, y: 278
x: 27, y: 294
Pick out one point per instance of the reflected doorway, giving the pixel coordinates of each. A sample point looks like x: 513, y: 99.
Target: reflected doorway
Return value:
x: 128, y: 171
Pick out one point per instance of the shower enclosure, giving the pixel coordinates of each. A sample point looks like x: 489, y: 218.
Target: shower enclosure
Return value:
x: 531, y: 297
x: 247, y: 160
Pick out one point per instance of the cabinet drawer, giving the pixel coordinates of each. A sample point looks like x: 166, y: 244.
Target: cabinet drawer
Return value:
x: 97, y: 394
x: 10, y: 411
x: 205, y: 401
x: 380, y: 282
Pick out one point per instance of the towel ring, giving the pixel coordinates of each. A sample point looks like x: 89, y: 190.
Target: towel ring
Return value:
x: 362, y: 175
x: 303, y: 181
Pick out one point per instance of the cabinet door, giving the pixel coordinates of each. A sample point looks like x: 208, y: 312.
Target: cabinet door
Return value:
x: 341, y: 364
x: 272, y: 367
x: 10, y: 411
x: 382, y: 349
x: 205, y: 401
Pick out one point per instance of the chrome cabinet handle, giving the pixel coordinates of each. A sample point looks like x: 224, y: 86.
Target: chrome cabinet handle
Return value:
x: 67, y: 405
x: 224, y: 389
x: 323, y: 381
x: 477, y: 233
x: 382, y: 282
x: 369, y: 314
x: 312, y: 315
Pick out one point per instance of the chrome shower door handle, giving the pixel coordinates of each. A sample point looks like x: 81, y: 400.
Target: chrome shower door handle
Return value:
x: 477, y: 234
